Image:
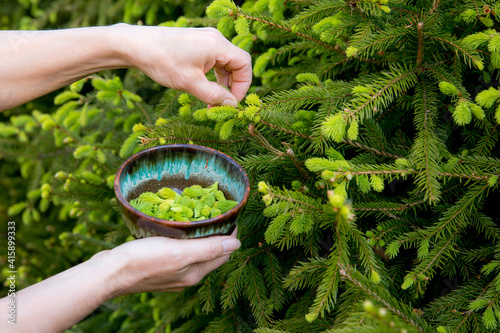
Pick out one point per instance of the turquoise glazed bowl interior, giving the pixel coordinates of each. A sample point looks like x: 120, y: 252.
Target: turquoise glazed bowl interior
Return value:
x: 178, y: 166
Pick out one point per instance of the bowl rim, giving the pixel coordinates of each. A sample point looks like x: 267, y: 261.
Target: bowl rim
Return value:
x: 185, y: 224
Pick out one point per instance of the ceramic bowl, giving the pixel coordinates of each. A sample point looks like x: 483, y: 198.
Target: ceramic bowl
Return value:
x: 178, y: 166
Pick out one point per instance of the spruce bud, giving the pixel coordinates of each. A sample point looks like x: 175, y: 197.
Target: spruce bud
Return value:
x: 327, y: 174
x: 67, y: 185
x: 262, y: 187
x: 267, y: 199
x: 161, y: 122
x: 369, y: 306
x: 382, y: 312
x: 61, y: 175
x: 48, y: 124
x: 73, y: 212
x: 46, y: 187
x: 310, y: 317
x: 345, y: 211
x: 139, y: 128
x: 335, y: 200
x: 68, y: 139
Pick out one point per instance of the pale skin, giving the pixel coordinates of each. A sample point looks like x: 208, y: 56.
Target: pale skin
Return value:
x: 150, y: 264
x: 34, y: 63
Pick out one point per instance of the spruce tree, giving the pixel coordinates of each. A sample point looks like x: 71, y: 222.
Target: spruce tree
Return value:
x: 372, y: 139
x: 370, y: 134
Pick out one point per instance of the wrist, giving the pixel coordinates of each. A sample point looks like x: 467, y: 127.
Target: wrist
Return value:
x: 113, y: 267
x: 120, y: 43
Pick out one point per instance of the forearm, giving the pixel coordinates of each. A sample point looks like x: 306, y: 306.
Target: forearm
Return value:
x: 143, y: 265
x: 33, y: 63
x: 61, y: 301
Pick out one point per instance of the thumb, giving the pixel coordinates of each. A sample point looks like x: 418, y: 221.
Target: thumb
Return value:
x: 210, y: 248
x: 212, y: 93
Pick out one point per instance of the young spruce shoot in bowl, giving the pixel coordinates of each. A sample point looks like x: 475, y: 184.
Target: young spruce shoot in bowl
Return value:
x: 181, y: 191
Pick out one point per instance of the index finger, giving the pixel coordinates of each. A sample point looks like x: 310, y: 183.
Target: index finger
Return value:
x: 239, y: 67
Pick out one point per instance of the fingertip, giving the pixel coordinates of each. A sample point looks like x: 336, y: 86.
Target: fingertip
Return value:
x: 230, y: 245
x: 211, y: 93
x: 230, y: 102
x: 235, y: 232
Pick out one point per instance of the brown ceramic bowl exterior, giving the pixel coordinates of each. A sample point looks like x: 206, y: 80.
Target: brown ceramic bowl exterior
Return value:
x: 179, y: 166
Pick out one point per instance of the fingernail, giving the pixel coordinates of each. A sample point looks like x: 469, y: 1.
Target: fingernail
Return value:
x: 230, y: 102
x: 230, y: 245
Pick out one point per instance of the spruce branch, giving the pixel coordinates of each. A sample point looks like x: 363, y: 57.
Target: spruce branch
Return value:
x: 470, y: 55
x: 365, y: 252
x: 434, y: 257
x: 386, y: 206
x: 411, y: 171
x: 297, y: 98
x: 257, y: 295
x: 442, y: 75
x: 332, y: 66
x: 299, y: 165
x: 472, y: 176
x: 383, y: 297
x: 380, y: 40
x: 149, y: 140
x: 233, y: 286
x: 346, y: 141
x: 263, y: 141
x: 274, y: 277
x: 144, y: 112
x: 396, y: 171
x: 371, y: 149
x: 305, y: 274
x: 282, y: 26
x: 490, y: 164
x: 485, y: 225
x: 420, y: 49
x: 457, y: 217
x: 302, y: 203
x: 317, y: 11
x: 286, y: 130
x: 486, y: 144
x: 169, y: 103
x: 328, y: 288
x: 397, y: 83
x: 425, y: 151
x: 403, y: 224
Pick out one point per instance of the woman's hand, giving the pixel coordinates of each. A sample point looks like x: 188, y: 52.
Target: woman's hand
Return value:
x: 179, y: 58
x: 166, y: 264
x: 150, y: 264
x: 35, y: 63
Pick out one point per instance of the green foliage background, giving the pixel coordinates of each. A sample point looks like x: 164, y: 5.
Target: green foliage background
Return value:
x: 371, y: 131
